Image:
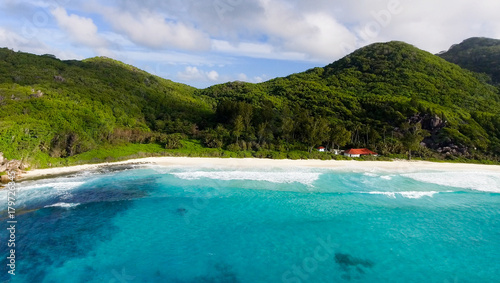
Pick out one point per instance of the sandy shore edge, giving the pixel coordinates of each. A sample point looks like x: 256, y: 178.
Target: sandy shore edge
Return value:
x: 399, y: 166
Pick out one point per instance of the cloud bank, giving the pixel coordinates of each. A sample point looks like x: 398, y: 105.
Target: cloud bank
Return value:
x: 198, y: 35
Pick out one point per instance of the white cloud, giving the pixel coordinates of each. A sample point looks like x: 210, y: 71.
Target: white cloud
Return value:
x: 151, y: 29
x: 326, y: 30
x: 326, y: 40
x: 82, y: 30
x: 195, y: 74
x: 16, y: 42
x: 168, y: 35
x: 212, y: 75
x: 11, y: 39
x: 316, y: 34
x: 244, y: 78
x: 169, y: 57
x: 429, y: 25
x: 255, y: 50
x: 318, y: 31
x: 259, y: 79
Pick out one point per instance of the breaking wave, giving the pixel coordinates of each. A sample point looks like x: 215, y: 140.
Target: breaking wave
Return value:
x: 31, y: 191
x: 409, y: 194
x: 63, y: 205
x: 57, y: 186
x: 479, y: 181
x: 306, y: 178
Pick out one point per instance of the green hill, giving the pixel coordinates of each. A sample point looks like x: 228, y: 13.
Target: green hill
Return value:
x: 374, y: 93
x: 390, y: 97
x: 477, y: 54
x: 62, y: 108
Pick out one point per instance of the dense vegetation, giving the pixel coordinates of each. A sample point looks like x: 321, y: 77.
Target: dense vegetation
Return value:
x: 58, y: 109
x: 392, y: 98
x: 388, y: 97
x: 477, y: 54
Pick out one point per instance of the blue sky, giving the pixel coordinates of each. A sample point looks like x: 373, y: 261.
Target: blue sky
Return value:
x: 202, y: 43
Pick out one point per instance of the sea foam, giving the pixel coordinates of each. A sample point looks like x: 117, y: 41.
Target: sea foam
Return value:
x: 306, y: 178
x: 63, y: 205
x: 55, y: 185
x: 30, y: 191
x: 409, y: 194
x: 480, y: 181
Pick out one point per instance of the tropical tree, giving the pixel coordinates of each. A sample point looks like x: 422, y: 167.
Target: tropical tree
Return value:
x: 238, y: 127
x: 413, y: 135
x: 339, y: 136
x: 317, y: 132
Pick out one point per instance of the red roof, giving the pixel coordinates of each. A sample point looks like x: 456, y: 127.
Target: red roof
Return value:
x: 360, y: 151
x: 321, y: 147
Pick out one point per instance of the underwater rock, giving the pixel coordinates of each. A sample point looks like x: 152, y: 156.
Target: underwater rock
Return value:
x: 347, y: 263
x: 182, y: 211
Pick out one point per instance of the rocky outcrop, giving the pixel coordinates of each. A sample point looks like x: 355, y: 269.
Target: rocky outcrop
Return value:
x: 59, y: 79
x: 434, y: 125
x: 36, y: 94
x: 430, y: 123
x: 4, y: 179
x: 13, y: 165
x: 10, y: 165
x: 453, y: 150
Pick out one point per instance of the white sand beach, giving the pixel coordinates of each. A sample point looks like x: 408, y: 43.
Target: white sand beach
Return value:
x: 399, y: 166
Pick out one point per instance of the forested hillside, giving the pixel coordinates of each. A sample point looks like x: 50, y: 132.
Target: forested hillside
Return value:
x: 477, y: 54
x: 390, y: 97
x: 62, y: 108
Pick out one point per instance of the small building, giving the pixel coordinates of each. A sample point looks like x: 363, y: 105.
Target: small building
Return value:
x: 321, y: 149
x: 357, y: 152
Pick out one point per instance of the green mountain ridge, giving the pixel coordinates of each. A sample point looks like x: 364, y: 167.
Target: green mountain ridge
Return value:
x: 390, y: 97
x: 477, y: 54
x: 84, y: 104
x: 378, y: 88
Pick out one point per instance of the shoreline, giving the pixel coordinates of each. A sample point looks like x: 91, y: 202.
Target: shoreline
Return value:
x: 398, y: 166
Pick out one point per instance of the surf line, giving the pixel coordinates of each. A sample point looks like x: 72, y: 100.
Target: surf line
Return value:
x: 11, y: 223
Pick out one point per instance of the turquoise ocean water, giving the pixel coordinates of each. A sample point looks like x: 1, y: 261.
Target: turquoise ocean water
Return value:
x: 162, y: 224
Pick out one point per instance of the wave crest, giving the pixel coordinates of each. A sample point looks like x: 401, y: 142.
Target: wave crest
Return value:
x: 479, y: 181
x: 408, y: 194
x: 63, y: 205
x: 55, y: 185
x: 306, y: 178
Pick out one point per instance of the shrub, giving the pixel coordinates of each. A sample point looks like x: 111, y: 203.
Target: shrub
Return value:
x: 233, y: 147
x: 278, y: 155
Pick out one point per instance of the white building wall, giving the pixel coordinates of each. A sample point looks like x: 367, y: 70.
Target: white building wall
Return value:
x: 352, y: 155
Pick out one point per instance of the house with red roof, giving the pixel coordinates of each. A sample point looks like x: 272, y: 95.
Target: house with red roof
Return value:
x: 321, y: 149
x: 357, y: 152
